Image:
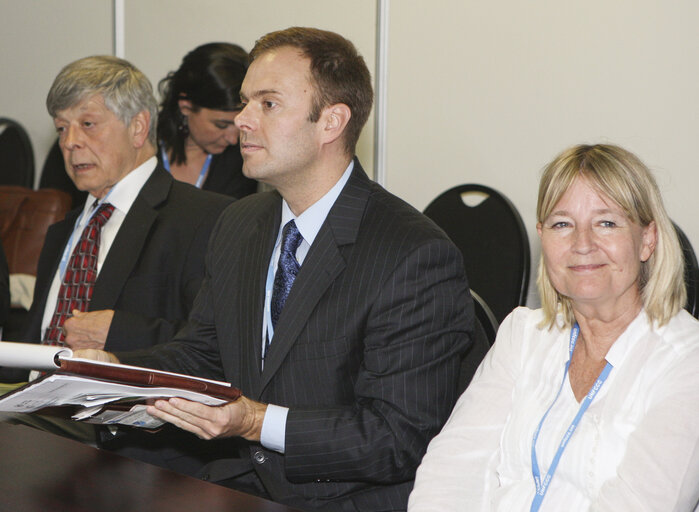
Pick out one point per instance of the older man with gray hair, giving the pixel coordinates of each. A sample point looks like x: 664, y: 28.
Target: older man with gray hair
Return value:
x: 121, y: 271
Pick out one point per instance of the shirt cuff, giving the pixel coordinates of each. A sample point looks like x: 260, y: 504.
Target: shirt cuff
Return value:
x: 273, y: 434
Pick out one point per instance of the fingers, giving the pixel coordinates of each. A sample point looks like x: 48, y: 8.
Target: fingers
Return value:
x: 204, y: 421
x: 96, y: 355
x: 77, y: 343
x: 87, y: 330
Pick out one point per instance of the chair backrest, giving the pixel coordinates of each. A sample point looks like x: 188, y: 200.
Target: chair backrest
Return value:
x: 53, y: 175
x: 16, y: 155
x: 484, y: 330
x: 489, y: 231
x: 691, y: 273
x: 485, y: 316
x: 25, y: 216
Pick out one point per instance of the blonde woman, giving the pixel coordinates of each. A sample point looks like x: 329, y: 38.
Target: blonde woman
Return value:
x: 592, y: 401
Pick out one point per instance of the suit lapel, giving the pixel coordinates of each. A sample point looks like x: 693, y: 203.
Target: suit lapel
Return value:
x: 128, y: 244
x: 258, y: 251
x: 323, y: 264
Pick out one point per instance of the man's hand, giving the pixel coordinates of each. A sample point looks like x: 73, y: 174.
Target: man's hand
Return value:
x: 88, y: 330
x: 240, y: 418
x: 96, y: 355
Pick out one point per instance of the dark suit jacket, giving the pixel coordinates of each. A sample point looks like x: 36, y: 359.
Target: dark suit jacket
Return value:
x: 154, y: 267
x: 365, y: 353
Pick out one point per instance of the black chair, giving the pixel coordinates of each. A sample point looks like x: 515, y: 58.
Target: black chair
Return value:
x: 493, y: 241
x: 53, y: 175
x: 16, y: 155
x: 485, y: 317
x: 691, y: 273
x: 484, y: 330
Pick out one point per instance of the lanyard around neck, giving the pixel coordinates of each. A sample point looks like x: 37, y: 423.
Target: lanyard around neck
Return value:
x: 543, y: 485
x: 202, y: 173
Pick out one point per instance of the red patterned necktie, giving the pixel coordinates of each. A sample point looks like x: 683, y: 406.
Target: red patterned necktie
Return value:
x: 80, y: 276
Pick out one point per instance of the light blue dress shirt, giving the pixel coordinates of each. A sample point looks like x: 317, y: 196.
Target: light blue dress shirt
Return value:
x: 273, y: 432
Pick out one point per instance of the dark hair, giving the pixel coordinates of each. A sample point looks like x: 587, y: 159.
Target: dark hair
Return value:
x: 338, y: 73
x: 210, y: 77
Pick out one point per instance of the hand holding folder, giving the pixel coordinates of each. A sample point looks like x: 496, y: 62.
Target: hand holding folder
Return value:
x: 108, y: 393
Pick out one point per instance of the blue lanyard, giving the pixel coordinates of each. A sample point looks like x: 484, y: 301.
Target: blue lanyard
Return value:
x: 202, y: 173
x: 542, y: 486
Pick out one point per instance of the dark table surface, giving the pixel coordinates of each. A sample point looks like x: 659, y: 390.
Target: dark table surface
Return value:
x: 45, y: 472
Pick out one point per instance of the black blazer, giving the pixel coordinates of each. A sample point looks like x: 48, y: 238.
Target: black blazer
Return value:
x: 365, y: 353
x: 154, y: 267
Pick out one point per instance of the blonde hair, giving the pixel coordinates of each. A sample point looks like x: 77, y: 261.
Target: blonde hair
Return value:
x: 622, y: 177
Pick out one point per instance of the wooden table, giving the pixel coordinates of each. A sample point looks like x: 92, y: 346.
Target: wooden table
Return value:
x: 42, y: 472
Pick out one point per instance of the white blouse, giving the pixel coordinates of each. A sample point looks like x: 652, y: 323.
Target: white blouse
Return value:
x: 635, y: 449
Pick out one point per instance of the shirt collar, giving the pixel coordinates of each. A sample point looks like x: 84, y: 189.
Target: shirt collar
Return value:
x: 638, y: 327
x: 311, y: 220
x: 123, y: 194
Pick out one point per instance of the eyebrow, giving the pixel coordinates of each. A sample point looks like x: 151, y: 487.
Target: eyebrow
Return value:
x: 259, y: 93
x: 600, y: 211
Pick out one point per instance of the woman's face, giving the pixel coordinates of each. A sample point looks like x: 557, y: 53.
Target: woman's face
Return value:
x: 592, y: 251
x: 211, y: 130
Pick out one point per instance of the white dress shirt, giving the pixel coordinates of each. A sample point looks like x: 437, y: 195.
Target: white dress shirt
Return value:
x: 121, y: 196
x: 273, y: 432
x: 635, y: 449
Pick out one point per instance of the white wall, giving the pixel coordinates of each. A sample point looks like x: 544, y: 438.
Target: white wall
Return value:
x: 484, y: 92
x: 38, y: 38
x: 489, y: 92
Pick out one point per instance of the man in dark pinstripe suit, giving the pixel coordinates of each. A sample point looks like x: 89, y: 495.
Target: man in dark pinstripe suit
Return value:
x: 344, y: 391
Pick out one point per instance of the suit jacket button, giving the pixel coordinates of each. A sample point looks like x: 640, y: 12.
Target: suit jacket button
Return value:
x: 259, y: 457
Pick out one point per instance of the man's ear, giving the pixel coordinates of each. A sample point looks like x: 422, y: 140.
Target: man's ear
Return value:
x: 334, y: 120
x: 139, y: 128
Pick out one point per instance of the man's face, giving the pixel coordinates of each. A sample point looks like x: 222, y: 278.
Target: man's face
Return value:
x: 278, y: 143
x: 98, y: 149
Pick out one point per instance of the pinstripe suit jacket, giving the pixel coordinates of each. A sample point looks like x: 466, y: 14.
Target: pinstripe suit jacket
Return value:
x: 365, y: 353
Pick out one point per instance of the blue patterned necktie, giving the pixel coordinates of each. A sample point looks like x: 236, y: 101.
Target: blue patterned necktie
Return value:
x: 286, y: 270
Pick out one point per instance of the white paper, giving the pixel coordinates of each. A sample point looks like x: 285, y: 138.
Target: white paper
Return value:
x: 91, y: 394
x: 61, y: 389
x: 31, y: 356
x: 135, y: 417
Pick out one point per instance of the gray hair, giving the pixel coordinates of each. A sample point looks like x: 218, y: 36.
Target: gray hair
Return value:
x: 125, y: 90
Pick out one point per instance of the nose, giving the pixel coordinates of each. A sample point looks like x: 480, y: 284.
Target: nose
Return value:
x: 244, y: 120
x: 70, y: 138
x: 583, y: 241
